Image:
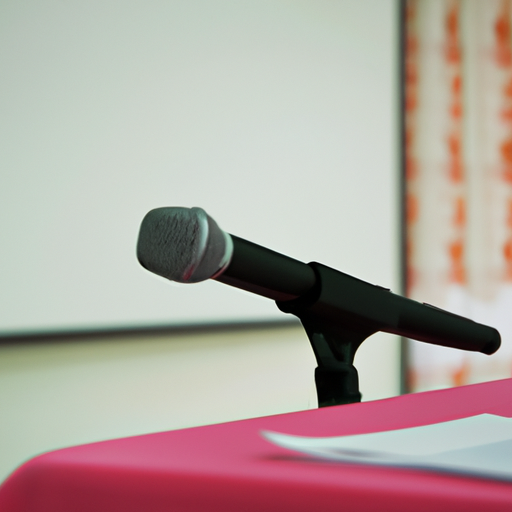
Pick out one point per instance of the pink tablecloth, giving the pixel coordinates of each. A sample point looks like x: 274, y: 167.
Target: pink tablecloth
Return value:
x: 229, y: 467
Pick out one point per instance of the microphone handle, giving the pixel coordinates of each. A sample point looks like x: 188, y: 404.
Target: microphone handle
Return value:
x: 295, y: 285
x: 265, y: 272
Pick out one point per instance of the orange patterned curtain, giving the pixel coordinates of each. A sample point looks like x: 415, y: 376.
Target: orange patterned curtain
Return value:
x: 458, y: 153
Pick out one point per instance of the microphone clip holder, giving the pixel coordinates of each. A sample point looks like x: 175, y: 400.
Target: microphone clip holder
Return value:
x: 336, y: 325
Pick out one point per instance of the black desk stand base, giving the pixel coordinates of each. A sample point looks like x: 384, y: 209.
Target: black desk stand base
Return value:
x: 336, y: 378
x: 334, y: 337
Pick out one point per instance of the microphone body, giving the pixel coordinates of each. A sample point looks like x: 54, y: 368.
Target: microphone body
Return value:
x: 255, y: 269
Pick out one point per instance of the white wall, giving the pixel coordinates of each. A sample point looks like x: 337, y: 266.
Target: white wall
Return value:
x: 278, y: 117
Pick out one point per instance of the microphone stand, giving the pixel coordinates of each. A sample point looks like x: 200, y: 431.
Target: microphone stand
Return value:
x: 341, y: 311
x: 334, y: 340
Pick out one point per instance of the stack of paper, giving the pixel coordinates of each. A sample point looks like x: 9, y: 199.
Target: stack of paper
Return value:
x: 479, y: 445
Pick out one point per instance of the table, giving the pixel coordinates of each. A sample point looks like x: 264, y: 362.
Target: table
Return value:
x: 230, y: 467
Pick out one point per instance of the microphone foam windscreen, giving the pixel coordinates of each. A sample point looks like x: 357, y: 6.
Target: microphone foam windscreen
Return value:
x: 183, y: 244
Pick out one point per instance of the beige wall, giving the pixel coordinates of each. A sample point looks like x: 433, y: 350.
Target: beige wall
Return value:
x: 54, y: 395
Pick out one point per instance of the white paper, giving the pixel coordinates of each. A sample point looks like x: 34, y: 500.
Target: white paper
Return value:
x: 479, y: 445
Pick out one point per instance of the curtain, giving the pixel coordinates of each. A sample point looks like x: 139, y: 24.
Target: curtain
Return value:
x: 458, y: 162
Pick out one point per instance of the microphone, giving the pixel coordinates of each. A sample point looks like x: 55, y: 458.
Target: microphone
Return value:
x: 183, y: 245
x: 187, y: 246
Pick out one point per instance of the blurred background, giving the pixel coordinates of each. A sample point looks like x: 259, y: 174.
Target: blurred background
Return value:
x: 359, y: 133
x: 279, y: 118
x: 458, y: 154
